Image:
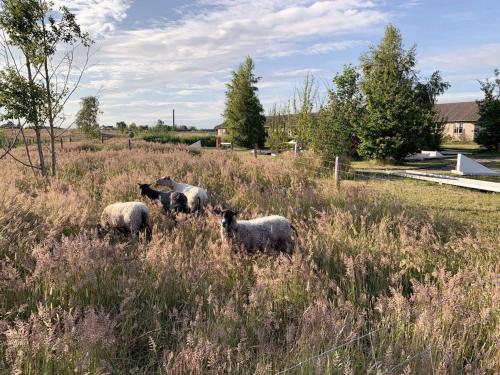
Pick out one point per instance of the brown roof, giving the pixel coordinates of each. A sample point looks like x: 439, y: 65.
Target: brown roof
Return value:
x: 458, y: 112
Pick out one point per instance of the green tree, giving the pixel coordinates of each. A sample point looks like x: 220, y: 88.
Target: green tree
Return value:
x: 339, y: 119
x: 305, y: 129
x: 432, y: 126
x: 279, y: 124
x: 244, y: 115
x: 121, y: 126
x: 489, y: 112
x: 393, y: 125
x: 86, y: 118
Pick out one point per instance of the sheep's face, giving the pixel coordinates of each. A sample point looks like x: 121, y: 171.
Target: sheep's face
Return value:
x: 143, y: 188
x: 166, y: 181
x: 179, y: 202
x: 228, y: 222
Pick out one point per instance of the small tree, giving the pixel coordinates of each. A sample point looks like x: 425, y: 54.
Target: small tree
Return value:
x: 243, y: 115
x: 279, y: 122
x: 338, y: 121
x: 121, y: 126
x: 303, y: 107
x: 86, y: 118
x: 489, y: 112
x: 432, y: 126
x: 32, y: 32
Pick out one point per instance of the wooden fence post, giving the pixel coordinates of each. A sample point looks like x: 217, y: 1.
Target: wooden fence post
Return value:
x: 102, y: 138
x: 255, y: 151
x: 129, y: 144
x: 337, y: 172
x: 61, y: 143
x: 70, y: 140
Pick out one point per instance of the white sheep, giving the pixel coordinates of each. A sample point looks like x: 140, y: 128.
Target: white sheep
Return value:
x: 269, y: 232
x: 197, y: 197
x: 126, y: 217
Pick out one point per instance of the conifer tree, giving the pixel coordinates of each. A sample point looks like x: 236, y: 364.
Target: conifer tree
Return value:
x: 244, y: 116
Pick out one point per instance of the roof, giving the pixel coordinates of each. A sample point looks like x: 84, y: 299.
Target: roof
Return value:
x: 458, y: 112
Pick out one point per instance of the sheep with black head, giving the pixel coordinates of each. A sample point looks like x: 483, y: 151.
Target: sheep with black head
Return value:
x: 264, y: 233
x: 171, y: 201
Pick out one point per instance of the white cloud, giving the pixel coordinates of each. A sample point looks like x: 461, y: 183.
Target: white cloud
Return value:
x: 192, y: 56
x: 452, y: 97
x: 97, y: 16
x: 296, y: 72
x: 484, y: 56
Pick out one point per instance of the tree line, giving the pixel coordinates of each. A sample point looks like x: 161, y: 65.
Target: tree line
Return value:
x: 381, y: 109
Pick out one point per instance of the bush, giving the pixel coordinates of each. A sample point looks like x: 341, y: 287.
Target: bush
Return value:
x: 206, y: 141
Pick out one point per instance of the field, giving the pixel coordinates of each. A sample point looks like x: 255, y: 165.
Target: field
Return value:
x: 388, y: 277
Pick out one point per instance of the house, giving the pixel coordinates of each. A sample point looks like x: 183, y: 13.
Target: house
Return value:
x: 460, y: 119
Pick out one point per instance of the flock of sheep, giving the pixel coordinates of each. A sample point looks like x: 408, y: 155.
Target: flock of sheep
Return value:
x: 264, y: 233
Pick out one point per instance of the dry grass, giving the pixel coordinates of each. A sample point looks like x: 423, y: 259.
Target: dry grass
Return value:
x: 386, y: 258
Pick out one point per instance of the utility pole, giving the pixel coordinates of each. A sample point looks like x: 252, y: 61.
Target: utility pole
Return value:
x: 173, y: 117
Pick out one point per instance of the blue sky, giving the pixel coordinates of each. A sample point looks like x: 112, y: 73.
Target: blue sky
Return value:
x: 151, y: 56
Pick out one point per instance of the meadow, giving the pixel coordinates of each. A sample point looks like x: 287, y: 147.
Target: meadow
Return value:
x: 387, y: 277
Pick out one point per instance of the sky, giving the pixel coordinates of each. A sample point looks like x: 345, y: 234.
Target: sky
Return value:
x: 152, y: 56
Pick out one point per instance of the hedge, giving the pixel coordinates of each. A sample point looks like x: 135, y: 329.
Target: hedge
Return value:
x: 206, y: 141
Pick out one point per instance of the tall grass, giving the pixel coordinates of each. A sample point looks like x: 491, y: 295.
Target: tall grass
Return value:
x: 395, y: 288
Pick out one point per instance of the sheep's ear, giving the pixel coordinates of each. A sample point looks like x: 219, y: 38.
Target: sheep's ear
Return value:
x: 235, y: 213
x: 217, y: 211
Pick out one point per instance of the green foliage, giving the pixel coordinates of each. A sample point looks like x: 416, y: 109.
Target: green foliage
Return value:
x: 397, y: 116
x: 303, y: 105
x: 86, y: 118
x: 121, y: 126
x: 338, y: 121
x: 489, y: 111
x: 206, y: 141
x: 243, y: 115
x: 20, y: 98
x: 19, y: 19
x: 279, y: 125
x: 433, y: 127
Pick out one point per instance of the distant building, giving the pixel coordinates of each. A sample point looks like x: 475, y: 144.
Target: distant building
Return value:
x: 460, y: 119
x: 9, y: 125
x: 107, y: 127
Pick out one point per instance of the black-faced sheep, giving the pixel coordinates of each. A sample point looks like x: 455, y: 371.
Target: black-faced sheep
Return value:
x: 196, y: 196
x: 126, y: 217
x: 171, y: 201
x: 265, y: 233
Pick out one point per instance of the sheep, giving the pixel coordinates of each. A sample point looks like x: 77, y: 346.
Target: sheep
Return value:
x: 171, y: 201
x: 197, y: 197
x: 126, y: 217
x: 269, y: 232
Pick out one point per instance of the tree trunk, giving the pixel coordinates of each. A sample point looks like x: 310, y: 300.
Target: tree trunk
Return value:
x: 37, y: 127
x: 53, y: 161
x: 27, y: 149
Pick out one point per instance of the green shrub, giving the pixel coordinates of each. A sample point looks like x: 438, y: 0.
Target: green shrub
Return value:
x: 206, y: 141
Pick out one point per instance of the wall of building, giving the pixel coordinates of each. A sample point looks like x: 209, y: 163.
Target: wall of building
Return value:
x: 460, y: 130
